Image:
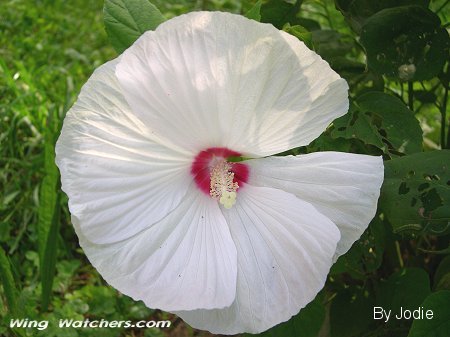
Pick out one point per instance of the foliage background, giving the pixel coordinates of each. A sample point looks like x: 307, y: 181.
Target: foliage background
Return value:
x: 48, y: 49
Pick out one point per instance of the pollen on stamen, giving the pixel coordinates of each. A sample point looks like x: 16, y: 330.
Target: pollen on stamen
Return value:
x: 208, y: 159
x: 222, y: 186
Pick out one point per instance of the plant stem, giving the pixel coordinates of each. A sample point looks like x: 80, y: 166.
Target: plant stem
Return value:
x: 444, y: 120
x: 402, y: 91
x: 411, y: 96
x: 399, y: 254
x: 443, y: 110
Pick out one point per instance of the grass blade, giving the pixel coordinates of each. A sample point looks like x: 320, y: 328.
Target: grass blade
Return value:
x: 7, y: 280
x: 49, y: 210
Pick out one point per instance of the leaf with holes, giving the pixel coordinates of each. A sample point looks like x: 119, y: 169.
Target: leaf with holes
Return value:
x: 356, y: 12
x: 416, y: 192
x: 405, y: 42
x: 383, y: 121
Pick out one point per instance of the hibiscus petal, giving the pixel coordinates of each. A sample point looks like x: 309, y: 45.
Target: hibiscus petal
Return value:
x: 186, y: 261
x: 218, y: 79
x: 342, y: 186
x: 285, y: 249
x: 119, y: 177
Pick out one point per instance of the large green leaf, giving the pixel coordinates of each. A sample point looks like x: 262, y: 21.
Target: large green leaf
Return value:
x: 439, y: 325
x: 126, y: 20
x: 383, y: 121
x: 356, y: 12
x: 306, y: 324
x: 416, y: 192
x: 406, y: 288
x: 405, y: 42
x: 350, y: 312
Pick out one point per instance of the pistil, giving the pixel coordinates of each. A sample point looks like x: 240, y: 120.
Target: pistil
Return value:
x: 222, y: 185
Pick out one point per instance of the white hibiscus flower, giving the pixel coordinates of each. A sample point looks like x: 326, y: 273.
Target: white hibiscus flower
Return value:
x: 162, y: 212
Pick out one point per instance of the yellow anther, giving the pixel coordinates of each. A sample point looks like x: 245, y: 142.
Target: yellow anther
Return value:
x: 228, y: 199
x: 222, y: 186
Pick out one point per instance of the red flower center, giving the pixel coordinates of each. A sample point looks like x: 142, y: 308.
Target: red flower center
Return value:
x: 205, y: 161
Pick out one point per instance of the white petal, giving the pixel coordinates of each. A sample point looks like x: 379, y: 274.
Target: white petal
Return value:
x: 342, y: 186
x: 285, y: 249
x: 218, y: 79
x: 119, y: 177
x: 186, y: 261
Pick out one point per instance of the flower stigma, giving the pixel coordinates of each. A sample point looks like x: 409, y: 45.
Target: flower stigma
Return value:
x: 217, y: 176
x: 222, y: 185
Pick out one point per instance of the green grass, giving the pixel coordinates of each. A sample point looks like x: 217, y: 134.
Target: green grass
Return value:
x: 48, y: 49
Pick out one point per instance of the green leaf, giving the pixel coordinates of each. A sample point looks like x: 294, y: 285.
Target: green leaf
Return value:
x: 444, y: 282
x: 360, y: 82
x: 405, y: 42
x: 416, y: 192
x: 366, y: 255
x: 381, y: 120
x: 442, y: 275
x: 326, y: 143
x: 406, y: 288
x: 301, y: 33
x: 280, y: 12
x: 306, y: 324
x: 356, y: 12
x: 254, y: 13
x: 126, y: 20
x: 7, y: 281
x: 65, y: 271
x: 101, y: 300
x: 350, y: 312
x: 439, y: 325
x: 357, y: 124
x: 309, y: 24
x: 330, y: 44
x: 48, y: 212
